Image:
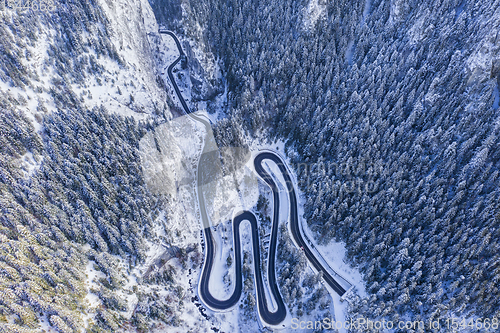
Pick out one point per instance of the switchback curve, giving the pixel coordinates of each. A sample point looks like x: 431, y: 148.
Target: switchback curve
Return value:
x: 272, y: 318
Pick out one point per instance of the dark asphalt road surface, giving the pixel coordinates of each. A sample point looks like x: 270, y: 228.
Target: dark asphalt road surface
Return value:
x: 171, y: 67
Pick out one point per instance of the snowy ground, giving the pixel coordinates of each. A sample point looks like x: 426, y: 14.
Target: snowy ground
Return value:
x: 232, y: 193
x: 479, y: 64
x: 315, y: 10
x: 222, y: 279
x: 169, y: 156
x: 30, y: 163
x: 171, y: 170
x: 91, y: 298
x: 114, y: 89
x: 132, y: 21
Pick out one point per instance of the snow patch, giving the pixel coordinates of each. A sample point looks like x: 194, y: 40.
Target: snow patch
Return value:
x: 93, y: 301
x: 420, y: 28
x: 169, y: 155
x: 496, y: 102
x: 132, y: 89
x: 479, y: 64
x: 231, y: 193
x: 397, y: 11
x: 222, y: 278
x: 366, y: 11
x: 349, y: 54
x: 315, y: 10
x: 30, y: 164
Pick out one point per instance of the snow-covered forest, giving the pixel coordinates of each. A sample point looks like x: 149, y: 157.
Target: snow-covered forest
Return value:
x: 389, y: 114
x: 401, y: 97
x: 78, y: 224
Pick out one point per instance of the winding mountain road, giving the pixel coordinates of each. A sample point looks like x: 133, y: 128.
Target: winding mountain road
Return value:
x: 206, y: 159
x: 294, y: 220
x: 171, y: 67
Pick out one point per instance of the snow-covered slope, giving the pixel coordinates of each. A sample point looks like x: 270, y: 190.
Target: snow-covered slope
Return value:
x: 137, y: 87
x: 125, y: 81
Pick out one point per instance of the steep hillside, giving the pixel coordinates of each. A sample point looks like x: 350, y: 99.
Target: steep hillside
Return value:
x: 81, y: 233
